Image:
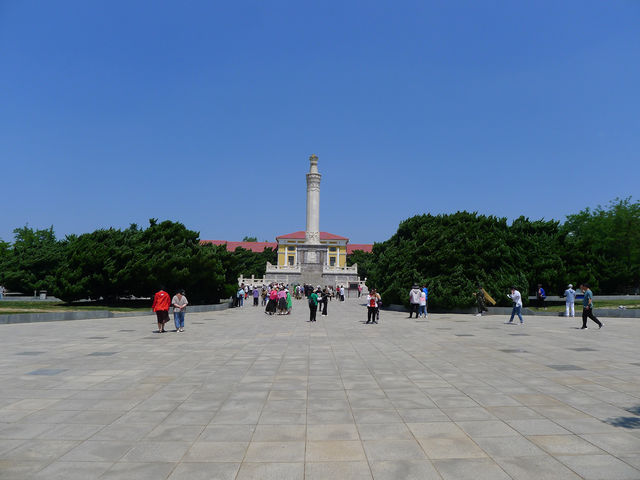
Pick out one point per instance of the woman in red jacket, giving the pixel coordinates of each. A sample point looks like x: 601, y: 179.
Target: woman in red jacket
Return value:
x: 161, y: 303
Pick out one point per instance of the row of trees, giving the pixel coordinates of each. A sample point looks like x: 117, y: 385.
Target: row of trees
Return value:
x: 452, y: 254
x: 112, y: 263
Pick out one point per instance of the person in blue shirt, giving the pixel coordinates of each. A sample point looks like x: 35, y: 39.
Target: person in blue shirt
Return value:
x: 569, y: 301
x: 587, y: 307
x: 426, y: 298
x: 541, y: 295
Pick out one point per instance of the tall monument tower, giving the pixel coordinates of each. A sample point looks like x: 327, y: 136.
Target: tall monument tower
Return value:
x: 312, y: 232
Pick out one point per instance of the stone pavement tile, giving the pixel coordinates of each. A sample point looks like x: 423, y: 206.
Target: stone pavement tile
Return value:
x: 469, y: 413
x: 25, y: 431
x: 381, y: 450
x: 633, y: 460
x: 279, y: 433
x: 323, y: 417
x: 453, y: 401
x: 356, y: 396
x: 142, y: 416
x: 271, y: 471
x: 470, y: 469
x: 205, y: 471
x: 275, y: 452
x: 249, y: 417
x: 282, y: 418
x: 117, y: 431
x: 169, y: 433
x: 138, y: 471
x: 73, y: 470
x: 376, y: 416
x: 335, y: 451
x: 436, y: 429
x: 536, y: 399
x: 537, y: 426
x: 599, y: 467
x: 18, y: 470
x: 405, y: 470
x: 445, y: 446
x: 337, y: 470
x: 517, y: 446
x: 617, y: 444
x: 423, y: 415
x: 227, y: 433
x: 346, y: 431
x: 39, y: 450
x: 328, y: 404
x: 8, y: 445
x: 202, y: 451
x: 565, y: 445
x: 487, y: 428
x: 156, y: 452
x: 98, y: 451
x: 535, y: 468
x: 514, y: 413
x: 76, y: 431
x: 559, y: 411
x: 287, y: 394
x: 377, y: 403
x: 586, y: 425
x: 180, y: 417
x: 384, y: 431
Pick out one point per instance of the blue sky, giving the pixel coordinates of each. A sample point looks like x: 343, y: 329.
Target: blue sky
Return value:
x: 206, y: 112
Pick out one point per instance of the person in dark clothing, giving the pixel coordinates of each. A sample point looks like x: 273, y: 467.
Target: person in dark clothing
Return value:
x: 313, y: 306
x: 325, y: 301
x: 587, y: 307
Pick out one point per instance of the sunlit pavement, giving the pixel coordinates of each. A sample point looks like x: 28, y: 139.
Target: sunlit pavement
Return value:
x: 243, y: 395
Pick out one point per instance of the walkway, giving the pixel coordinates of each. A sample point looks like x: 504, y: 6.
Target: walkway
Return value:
x: 240, y: 395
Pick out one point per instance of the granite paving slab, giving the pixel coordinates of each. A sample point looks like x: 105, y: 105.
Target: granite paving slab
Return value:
x: 241, y: 395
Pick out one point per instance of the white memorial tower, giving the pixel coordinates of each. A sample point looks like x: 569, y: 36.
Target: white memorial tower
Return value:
x: 312, y: 233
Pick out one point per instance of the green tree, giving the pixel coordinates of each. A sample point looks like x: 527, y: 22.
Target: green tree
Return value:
x: 31, y: 261
x: 247, y: 262
x: 362, y: 259
x: 602, y: 246
x: 250, y: 239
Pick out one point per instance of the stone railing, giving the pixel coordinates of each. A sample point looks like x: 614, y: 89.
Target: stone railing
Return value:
x: 283, y: 268
x: 335, y: 269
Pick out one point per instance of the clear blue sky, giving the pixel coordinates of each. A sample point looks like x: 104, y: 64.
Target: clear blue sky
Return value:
x: 206, y: 112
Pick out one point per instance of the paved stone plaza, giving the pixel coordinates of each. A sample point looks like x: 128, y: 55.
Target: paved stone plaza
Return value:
x: 240, y: 395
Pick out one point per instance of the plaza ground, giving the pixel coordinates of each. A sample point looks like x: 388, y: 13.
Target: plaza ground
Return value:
x: 241, y: 395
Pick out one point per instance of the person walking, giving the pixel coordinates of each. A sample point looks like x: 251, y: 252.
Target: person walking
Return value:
x: 541, y: 295
x: 422, y: 312
x: 273, y: 302
x: 325, y: 301
x: 342, y: 293
x: 289, y: 302
x: 161, y: 303
x: 179, y: 302
x: 256, y: 296
x: 569, y: 301
x: 426, y: 300
x: 372, y: 306
x: 516, y: 298
x: 359, y: 290
x: 414, y: 300
x: 480, y: 301
x: 313, y: 306
x: 587, y: 307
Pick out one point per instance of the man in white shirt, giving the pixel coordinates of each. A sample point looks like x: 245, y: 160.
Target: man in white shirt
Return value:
x: 516, y: 298
x: 569, y: 301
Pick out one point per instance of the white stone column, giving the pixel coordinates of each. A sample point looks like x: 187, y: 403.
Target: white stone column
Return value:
x: 312, y: 233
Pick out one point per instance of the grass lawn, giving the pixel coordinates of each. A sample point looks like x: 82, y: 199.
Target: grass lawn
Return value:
x: 9, y: 307
x: 630, y: 304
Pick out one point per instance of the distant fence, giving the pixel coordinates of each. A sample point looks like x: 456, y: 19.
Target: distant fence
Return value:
x: 96, y: 314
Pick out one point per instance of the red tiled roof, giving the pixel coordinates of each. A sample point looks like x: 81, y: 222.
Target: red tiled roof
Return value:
x: 365, y: 247
x: 253, y: 246
x: 323, y: 236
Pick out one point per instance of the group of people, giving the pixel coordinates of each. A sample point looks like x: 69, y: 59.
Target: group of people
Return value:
x: 418, y: 298
x: 162, y: 302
